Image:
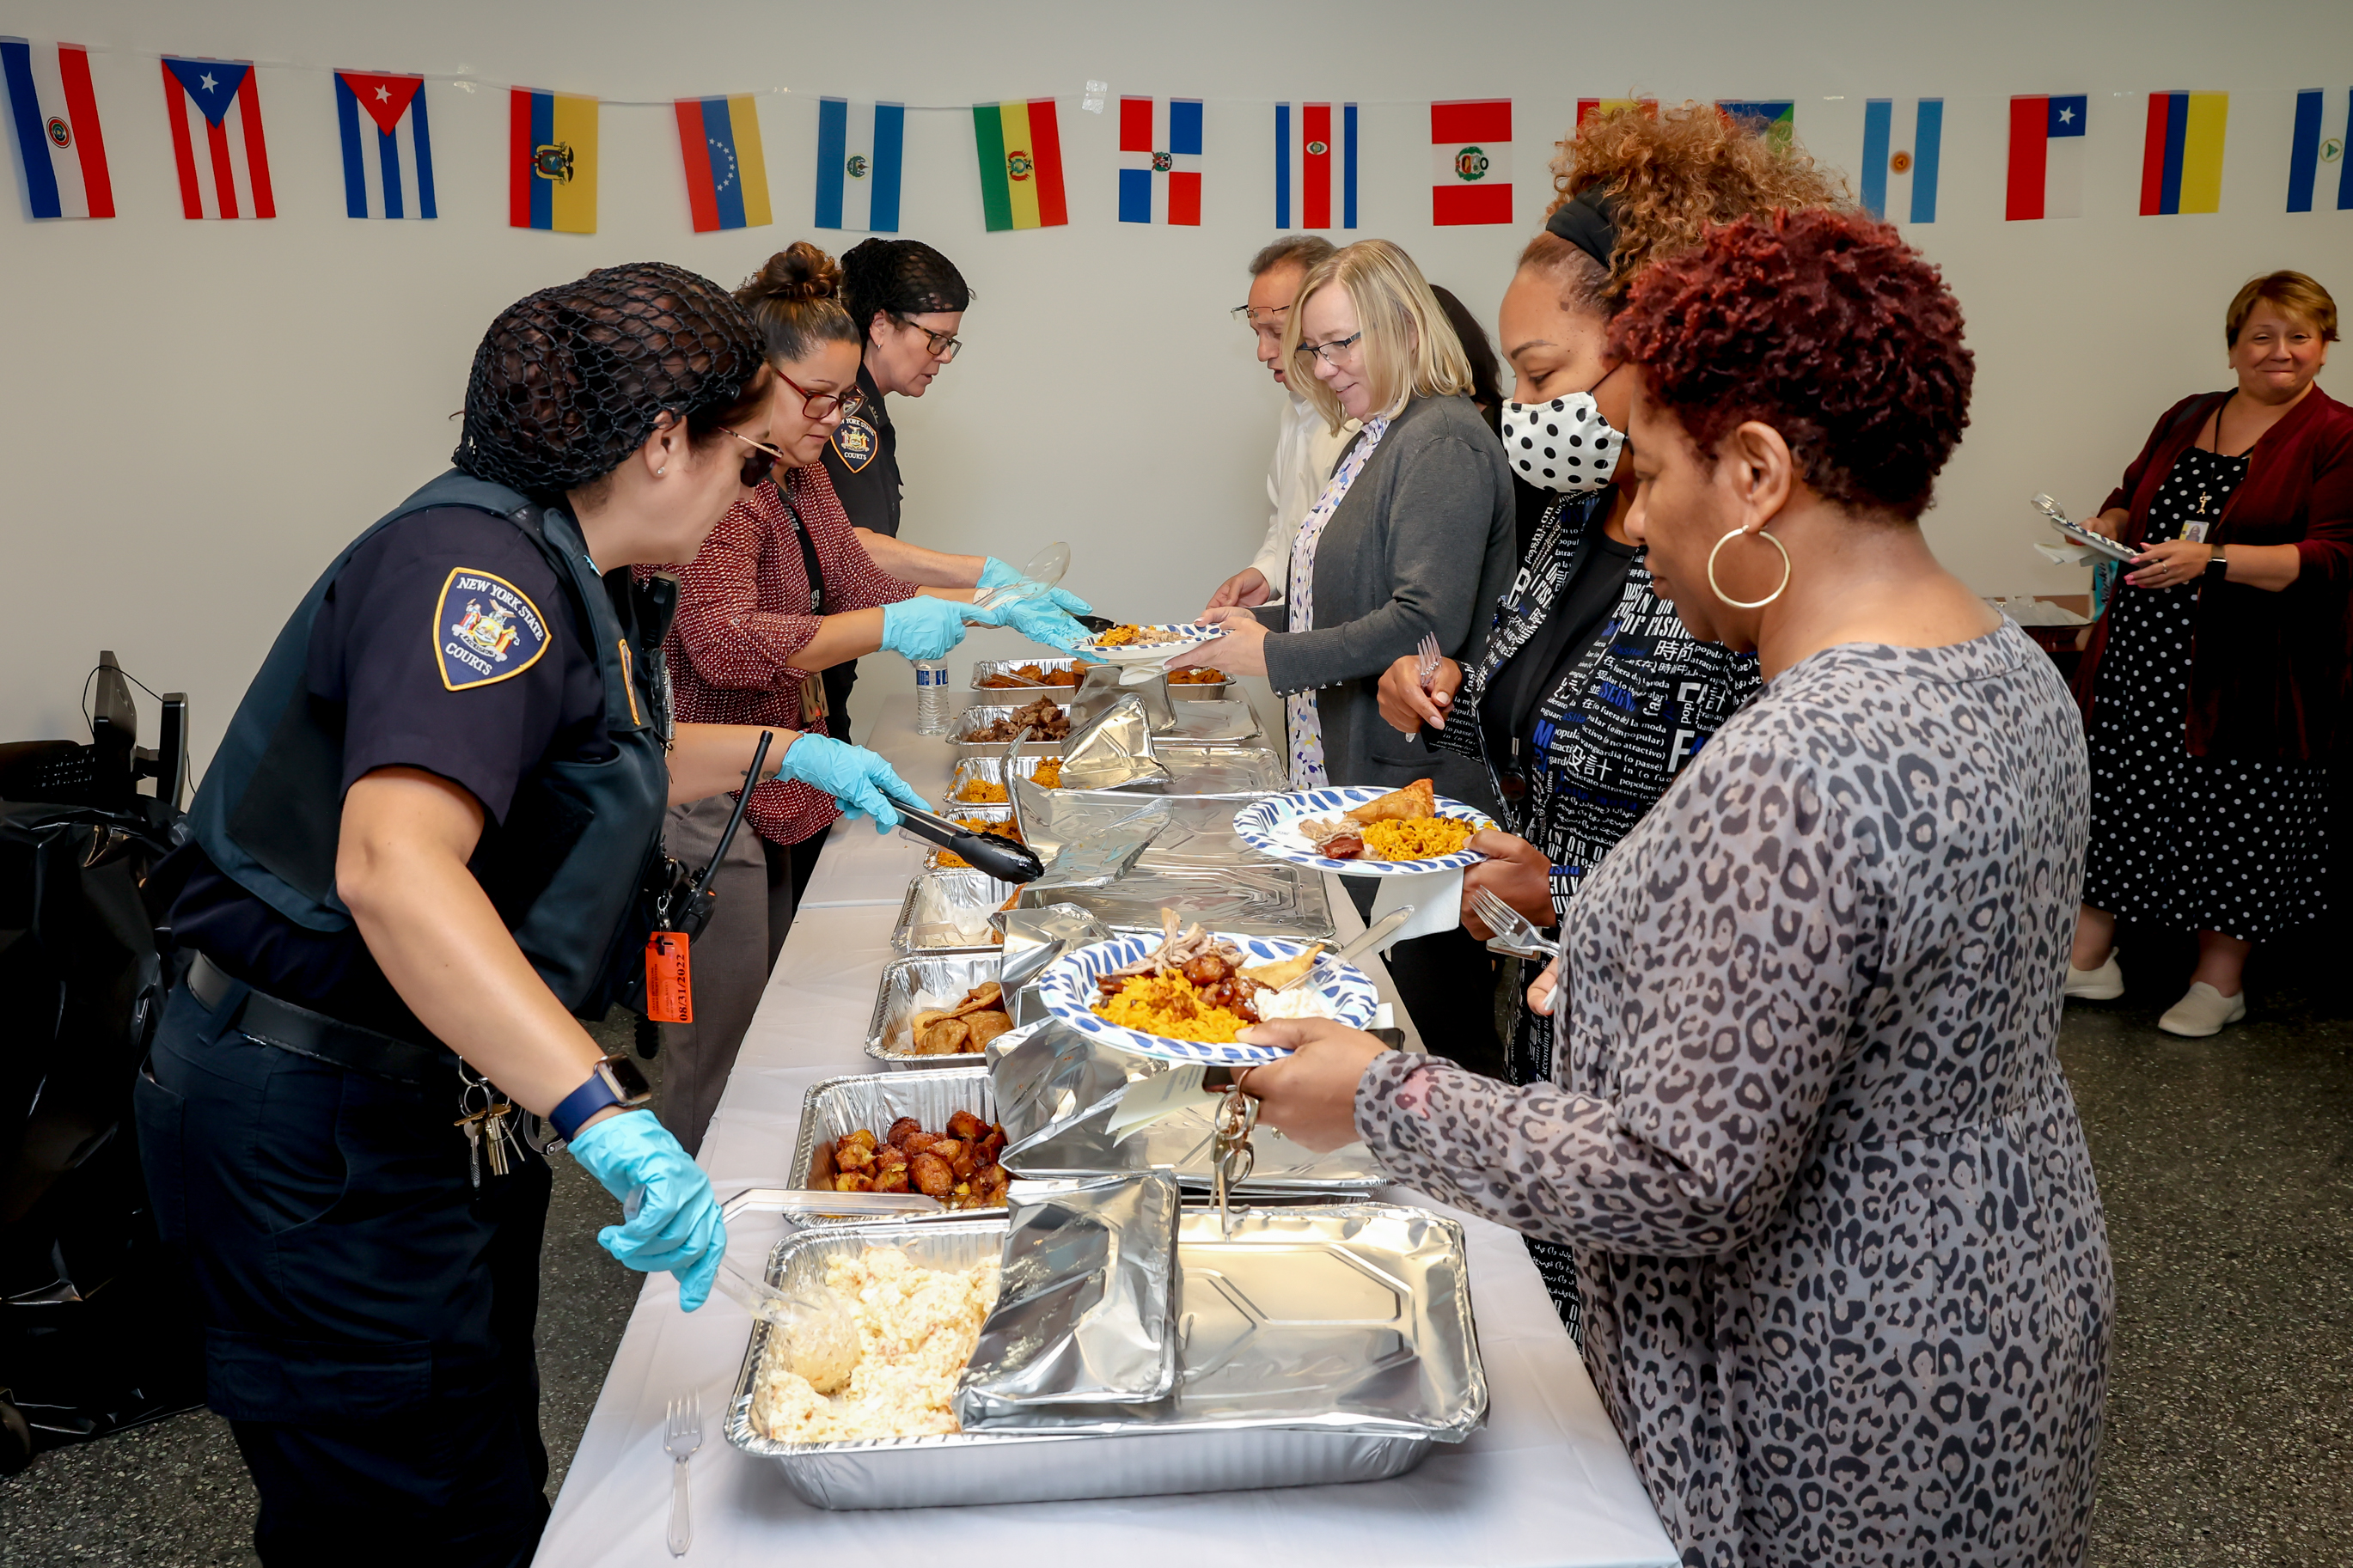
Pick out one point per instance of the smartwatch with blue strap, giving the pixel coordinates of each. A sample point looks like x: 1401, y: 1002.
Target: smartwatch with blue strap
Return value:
x: 614, y: 1081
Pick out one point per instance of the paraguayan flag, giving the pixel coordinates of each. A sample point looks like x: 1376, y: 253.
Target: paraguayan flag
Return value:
x: 60, y: 149
x: 1901, y: 140
x: 860, y: 149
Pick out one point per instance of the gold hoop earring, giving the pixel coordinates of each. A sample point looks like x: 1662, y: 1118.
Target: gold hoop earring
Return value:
x: 1787, y: 569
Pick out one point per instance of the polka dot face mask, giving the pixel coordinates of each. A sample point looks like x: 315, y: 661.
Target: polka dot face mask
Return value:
x: 1564, y: 445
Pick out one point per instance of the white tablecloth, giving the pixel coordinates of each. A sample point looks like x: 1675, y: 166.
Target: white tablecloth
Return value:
x: 1546, y: 1483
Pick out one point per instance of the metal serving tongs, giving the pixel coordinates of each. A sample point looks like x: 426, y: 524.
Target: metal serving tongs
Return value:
x: 994, y: 853
x: 1230, y: 1158
x: 818, y: 1322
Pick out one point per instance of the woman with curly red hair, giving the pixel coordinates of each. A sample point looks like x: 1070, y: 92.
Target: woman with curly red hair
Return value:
x: 1848, y: 1283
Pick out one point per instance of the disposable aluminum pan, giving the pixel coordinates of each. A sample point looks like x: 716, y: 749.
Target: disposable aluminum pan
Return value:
x: 983, y: 669
x: 980, y: 717
x: 836, y: 1107
x: 1323, y: 1345
x: 1223, y: 720
x: 990, y: 813
x: 910, y: 986
x: 1267, y: 897
x: 948, y: 911
x: 989, y: 770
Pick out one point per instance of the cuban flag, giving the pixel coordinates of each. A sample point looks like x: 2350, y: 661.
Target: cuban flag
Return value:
x: 1900, y: 147
x: 2046, y: 156
x: 387, y: 149
x: 860, y: 153
x: 1306, y: 153
x: 223, y: 173
x: 2316, y: 162
x: 60, y: 149
x: 1160, y: 153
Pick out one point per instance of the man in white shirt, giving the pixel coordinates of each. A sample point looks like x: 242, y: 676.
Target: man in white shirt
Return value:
x: 1305, y: 447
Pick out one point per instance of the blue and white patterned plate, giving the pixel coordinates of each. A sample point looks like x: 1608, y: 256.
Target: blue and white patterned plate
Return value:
x: 1068, y: 989
x: 1271, y: 826
x: 1188, y: 634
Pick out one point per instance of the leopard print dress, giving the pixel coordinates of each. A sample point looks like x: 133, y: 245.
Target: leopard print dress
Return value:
x: 1847, y: 1278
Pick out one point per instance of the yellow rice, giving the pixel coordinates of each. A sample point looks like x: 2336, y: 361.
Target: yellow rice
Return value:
x: 1423, y: 838
x: 1169, y: 1005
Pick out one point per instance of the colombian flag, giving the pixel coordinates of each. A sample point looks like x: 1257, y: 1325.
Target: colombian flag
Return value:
x: 726, y: 182
x: 552, y: 161
x: 1020, y: 151
x: 2181, y: 159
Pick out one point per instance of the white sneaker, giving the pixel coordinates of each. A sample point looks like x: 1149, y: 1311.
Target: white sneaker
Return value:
x: 2202, y: 1011
x: 2104, y: 983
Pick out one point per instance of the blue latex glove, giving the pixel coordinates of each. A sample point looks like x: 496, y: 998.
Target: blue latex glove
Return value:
x: 996, y: 573
x: 859, y: 779
x: 677, y: 1226
x: 1039, y: 620
x: 923, y: 627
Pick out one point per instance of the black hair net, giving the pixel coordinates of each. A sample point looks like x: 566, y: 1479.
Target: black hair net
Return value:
x: 902, y: 277
x: 571, y: 379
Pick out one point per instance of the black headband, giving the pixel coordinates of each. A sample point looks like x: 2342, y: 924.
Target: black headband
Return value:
x: 1587, y: 223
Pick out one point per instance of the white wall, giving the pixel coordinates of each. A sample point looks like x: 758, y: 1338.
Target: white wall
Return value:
x: 195, y: 416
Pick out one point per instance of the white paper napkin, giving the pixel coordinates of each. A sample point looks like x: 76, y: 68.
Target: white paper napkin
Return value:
x: 1437, y: 894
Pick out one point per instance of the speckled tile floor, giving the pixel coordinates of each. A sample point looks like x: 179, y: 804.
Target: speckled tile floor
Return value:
x: 2226, y: 1166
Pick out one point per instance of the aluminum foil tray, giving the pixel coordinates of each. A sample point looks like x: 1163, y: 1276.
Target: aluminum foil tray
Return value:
x: 932, y: 896
x: 1264, y: 899
x: 1321, y: 1345
x: 996, y: 812
x: 911, y: 984
x: 1221, y: 769
x: 989, y: 768
x: 1203, y: 691
x: 1209, y: 720
x: 987, y: 667
x: 981, y: 716
x: 1285, y: 1172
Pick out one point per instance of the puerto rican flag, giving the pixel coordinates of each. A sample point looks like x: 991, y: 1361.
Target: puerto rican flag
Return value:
x: 224, y: 169
x: 387, y: 148
x: 60, y: 149
x: 1160, y: 158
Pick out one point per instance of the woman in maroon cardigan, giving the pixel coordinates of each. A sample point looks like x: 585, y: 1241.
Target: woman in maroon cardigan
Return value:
x: 2213, y: 688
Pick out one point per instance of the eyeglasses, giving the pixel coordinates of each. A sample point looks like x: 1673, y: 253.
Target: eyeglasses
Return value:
x: 820, y: 405
x: 1328, y: 352
x: 943, y: 346
x: 763, y: 459
x: 1265, y: 318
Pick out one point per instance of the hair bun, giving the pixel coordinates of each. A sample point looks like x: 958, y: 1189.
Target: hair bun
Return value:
x: 798, y: 272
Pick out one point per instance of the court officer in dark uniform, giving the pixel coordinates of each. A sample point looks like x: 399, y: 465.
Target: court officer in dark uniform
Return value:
x: 908, y: 301
x: 418, y: 855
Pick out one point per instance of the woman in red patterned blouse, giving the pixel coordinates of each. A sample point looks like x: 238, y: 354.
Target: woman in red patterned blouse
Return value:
x: 756, y: 624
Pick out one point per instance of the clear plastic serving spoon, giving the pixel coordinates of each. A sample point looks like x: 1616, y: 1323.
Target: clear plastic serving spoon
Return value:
x: 1044, y: 571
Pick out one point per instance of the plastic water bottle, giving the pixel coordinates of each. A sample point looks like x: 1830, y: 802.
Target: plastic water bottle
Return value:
x: 930, y: 696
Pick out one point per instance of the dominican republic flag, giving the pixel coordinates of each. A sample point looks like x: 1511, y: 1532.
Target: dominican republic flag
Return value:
x: 223, y: 173
x: 860, y: 149
x: 58, y: 146
x: 2316, y: 158
x: 1305, y: 150
x: 387, y: 149
x: 1160, y: 156
x: 1470, y: 160
x: 2046, y: 157
x: 1899, y: 143
x: 2181, y: 156
x: 726, y: 173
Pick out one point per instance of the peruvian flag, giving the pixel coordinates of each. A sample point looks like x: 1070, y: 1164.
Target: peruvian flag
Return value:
x: 223, y: 173
x: 1160, y: 160
x: 1470, y: 160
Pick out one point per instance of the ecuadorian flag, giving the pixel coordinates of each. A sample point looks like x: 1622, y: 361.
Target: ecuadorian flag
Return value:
x: 552, y: 161
x: 726, y: 181
x: 1020, y: 151
x: 2181, y: 158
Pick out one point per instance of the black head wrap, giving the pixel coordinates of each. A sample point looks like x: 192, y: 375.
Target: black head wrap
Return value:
x: 900, y: 277
x: 571, y: 379
x: 1587, y: 221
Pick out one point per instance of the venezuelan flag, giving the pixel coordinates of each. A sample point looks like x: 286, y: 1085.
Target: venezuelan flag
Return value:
x: 552, y: 161
x: 1020, y: 151
x: 2182, y: 159
x: 726, y: 181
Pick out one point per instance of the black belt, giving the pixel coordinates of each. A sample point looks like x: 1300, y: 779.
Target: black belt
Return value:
x: 322, y: 1038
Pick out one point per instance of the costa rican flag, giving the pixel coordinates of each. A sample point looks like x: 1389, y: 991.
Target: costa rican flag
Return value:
x: 1159, y: 177
x: 223, y: 173
x: 1305, y: 159
x: 388, y: 170
x: 60, y: 149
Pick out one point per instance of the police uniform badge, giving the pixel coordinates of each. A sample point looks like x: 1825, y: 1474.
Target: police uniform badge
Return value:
x: 854, y: 443
x: 485, y: 629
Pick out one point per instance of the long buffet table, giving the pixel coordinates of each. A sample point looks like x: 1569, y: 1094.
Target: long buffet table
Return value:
x: 1546, y: 1483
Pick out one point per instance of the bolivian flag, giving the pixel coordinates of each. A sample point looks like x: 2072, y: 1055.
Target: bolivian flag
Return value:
x: 552, y: 161
x: 1020, y: 151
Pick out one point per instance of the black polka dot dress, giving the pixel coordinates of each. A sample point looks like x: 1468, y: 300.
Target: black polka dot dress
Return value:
x: 2219, y: 844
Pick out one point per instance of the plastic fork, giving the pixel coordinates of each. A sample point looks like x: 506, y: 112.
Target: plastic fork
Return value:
x: 1427, y: 660
x: 1514, y: 933
x: 683, y: 1436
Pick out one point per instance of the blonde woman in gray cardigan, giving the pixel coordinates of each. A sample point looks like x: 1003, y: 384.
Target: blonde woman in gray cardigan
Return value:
x: 1412, y: 536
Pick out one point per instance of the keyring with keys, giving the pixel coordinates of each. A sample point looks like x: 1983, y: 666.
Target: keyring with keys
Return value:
x: 484, y: 1111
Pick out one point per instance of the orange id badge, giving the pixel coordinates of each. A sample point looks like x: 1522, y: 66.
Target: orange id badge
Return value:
x: 669, y: 981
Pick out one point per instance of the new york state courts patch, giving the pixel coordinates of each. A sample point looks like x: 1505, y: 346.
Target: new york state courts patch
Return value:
x: 485, y: 629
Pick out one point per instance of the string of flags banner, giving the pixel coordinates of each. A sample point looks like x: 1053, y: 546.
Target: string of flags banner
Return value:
x: 221, y: 155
